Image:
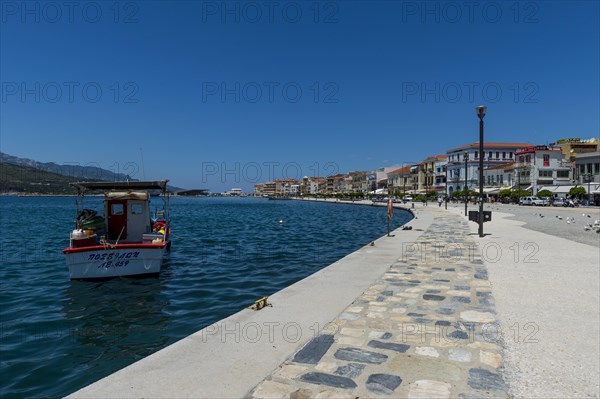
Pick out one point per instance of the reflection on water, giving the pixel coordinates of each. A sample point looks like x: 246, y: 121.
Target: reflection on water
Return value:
x: 57, y: 336
x: 111, y: 324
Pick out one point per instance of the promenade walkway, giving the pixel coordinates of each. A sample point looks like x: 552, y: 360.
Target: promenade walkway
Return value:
x: 432, y: 312
x: 425, y: 329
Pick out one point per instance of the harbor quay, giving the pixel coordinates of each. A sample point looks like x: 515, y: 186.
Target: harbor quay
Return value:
x: 429, y: 312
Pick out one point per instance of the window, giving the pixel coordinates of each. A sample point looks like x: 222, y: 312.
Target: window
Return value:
x: 545, y: 173
x: 489, y: 155
x: 137, y: 209
x: 546, y: 158
x: 476, y: 155
x: 504, y: 155
x: 596, y: 168
x: 562, y: 173
x: 527, y: 158
x: 497, y: 155
x: 116, y: 209
x: 510, y: 155
x: 521, y: 158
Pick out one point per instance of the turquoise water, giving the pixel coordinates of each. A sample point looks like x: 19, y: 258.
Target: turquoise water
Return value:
x: 57, y: 336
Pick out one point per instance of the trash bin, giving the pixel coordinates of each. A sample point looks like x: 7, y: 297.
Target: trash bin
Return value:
x: 474, y: 216
x: 487, y: 216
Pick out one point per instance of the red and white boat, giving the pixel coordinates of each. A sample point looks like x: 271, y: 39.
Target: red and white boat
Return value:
x: 126, y: 240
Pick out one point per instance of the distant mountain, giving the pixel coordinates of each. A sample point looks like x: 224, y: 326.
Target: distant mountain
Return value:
x: 72, y: 172
x: 86, y: 172
x: 22, y: 179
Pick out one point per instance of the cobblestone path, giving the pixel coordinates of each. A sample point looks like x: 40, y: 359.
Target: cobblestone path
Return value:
x: 426, y: 329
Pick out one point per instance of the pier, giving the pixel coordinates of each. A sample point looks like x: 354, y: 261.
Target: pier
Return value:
x: 430, y: 312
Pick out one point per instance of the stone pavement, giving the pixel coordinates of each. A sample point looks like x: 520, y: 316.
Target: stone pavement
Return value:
x: 426, y: 329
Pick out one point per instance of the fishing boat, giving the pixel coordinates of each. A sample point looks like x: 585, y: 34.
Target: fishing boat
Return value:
x: 127, y: 240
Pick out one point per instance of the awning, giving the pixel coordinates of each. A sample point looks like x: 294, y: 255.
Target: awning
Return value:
x: 123, y: 195
x: 556, y: 189
x: 492, y: 190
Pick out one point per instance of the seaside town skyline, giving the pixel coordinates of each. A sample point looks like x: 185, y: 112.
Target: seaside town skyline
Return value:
x: 557, y: 166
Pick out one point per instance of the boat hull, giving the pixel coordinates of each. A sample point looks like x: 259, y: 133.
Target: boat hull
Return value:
x: 100, y: 263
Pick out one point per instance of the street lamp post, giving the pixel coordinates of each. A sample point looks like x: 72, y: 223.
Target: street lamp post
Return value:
x: 426, y: 184
x: 446, y: 185
x: 481, y: 114
x: 588, y: 179
x: 466, y: 191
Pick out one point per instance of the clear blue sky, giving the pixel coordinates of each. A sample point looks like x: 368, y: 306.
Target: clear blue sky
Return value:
x: 381, y: 83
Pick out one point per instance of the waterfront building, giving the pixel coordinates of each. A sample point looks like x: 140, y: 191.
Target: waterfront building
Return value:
x: 431, y: 174
x: 538, y: 166
x: 414, y: 179
x: 573, y: 146
x: 494, y: 154
x: 312, y: 185
x: 259, y: 189
x: 359, y: 181
x: 381, y: 178
x: 399, y: 180
x: 270, y: 188
x: 587, y: 166
x: 498, y: 177
x: 287, y: 187
x: 334, y: 184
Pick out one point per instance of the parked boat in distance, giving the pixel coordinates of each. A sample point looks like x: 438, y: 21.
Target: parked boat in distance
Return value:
x: 126, y: 240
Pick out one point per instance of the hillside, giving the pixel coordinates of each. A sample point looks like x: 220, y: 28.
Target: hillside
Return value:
x: 29, y: 180
x: 87, y: 172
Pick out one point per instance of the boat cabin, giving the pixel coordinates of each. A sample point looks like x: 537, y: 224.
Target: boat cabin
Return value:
x: 127, y: 215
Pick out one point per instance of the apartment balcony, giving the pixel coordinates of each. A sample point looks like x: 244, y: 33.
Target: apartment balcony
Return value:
x: 565, y: 164
x: 523, y: 165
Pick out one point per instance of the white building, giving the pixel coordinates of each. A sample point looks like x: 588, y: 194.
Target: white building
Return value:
x: 538, y: 166
x: 494, y: 154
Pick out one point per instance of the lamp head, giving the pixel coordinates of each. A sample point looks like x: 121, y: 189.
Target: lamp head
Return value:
x: 481, y: 111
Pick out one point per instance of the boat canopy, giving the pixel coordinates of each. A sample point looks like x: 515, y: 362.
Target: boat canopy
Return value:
x: 121, y: 185
x: 122, y: 195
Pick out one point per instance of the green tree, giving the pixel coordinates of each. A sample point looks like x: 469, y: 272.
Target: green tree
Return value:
x: 505, y: 195
x: 518, y: 193
x: 544, y: 194
x: 577, y: 192
x: 462, y: 193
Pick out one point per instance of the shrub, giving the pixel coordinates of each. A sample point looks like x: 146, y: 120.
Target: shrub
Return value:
x: 577, y: 191
x: 544, y: 194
